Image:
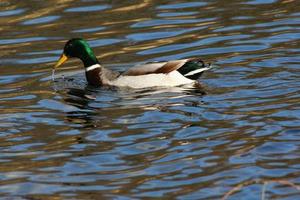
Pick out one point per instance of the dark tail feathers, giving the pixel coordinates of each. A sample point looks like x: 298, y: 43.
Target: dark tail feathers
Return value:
x: 194, y: 68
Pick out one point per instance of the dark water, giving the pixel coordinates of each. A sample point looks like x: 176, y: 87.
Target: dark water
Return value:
x: 65, y: 140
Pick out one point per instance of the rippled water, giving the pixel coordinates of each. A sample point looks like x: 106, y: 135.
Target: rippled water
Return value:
x: 65, y: 140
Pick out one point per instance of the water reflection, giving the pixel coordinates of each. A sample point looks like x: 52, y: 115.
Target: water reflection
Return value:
x: 64, y: 139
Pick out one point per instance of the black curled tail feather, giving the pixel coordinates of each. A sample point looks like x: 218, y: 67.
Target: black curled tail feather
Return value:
x: 194, y: 68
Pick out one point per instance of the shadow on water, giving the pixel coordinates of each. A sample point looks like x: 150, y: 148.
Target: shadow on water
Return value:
x: 83, y: 97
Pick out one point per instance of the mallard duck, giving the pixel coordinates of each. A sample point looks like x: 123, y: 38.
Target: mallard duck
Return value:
x: 155, y: 74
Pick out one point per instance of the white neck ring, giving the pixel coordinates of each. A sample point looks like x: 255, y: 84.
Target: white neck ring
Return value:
x: 90, y: 68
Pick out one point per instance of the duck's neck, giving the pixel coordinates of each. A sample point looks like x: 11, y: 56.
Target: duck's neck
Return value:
x: 88, y: 58
x: 93, y: 74
x: 92, y: 68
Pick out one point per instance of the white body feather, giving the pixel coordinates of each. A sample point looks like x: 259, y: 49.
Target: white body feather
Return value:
x: 173, y: 78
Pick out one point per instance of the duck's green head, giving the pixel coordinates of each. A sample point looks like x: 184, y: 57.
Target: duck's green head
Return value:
x: 77, y: 48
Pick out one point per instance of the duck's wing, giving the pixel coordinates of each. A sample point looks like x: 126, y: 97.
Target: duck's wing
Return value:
x: 191, y: 68
x: 155, y: 68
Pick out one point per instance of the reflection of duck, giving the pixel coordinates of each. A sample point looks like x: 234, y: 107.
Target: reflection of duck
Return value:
x: 170, y: 73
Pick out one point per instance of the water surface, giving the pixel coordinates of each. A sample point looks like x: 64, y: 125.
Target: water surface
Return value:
x: 67, y: 140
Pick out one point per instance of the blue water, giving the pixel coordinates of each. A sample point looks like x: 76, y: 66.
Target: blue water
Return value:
x: 66, y: 140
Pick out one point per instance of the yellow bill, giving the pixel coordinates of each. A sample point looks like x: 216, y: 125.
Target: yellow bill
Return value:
x: 63, y: 58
